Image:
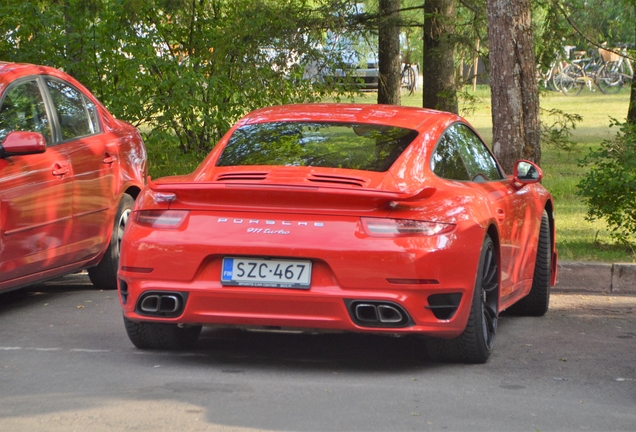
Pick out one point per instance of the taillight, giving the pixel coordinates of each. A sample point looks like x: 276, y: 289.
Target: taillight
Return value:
x: 160, y: 218
x: 404, y: 227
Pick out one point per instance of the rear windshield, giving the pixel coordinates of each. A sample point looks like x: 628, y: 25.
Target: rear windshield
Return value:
x: 357, y: 146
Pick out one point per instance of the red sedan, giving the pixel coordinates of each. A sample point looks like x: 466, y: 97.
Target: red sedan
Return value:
x: 328, y: 217
x: 69, y: 173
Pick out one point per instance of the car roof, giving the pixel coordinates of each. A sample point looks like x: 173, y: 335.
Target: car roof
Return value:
x: 9, y: 71
x: 390, y: 115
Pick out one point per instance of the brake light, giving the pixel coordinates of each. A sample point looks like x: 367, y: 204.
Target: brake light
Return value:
x: 160, y: 218
x: 404, y: 227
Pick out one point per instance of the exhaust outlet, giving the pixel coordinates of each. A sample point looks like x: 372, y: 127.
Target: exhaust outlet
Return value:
x: 389, y: 314
x: 169, y: 304
x: 161, y: 304
x: 367, y: 313
x: 378, y: 314
x: 150, y: 304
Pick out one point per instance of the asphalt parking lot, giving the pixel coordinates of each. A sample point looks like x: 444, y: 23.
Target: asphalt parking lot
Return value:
x: 67, y: 364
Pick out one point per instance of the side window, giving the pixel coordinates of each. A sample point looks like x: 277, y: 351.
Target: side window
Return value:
x: 74, y: 114
x: 480, y: 163
x: 461, y: 155
x: 446, y: 161
x: 23, y: 109
x: 92, y: 112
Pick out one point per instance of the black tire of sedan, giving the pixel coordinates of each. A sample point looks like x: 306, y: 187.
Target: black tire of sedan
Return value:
x: 537, y: 301
x: 475, y: 344
x: 104, y: 275
x: 146, y: 335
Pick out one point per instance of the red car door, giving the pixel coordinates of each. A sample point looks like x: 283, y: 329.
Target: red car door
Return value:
x: 36, y: 191
x: 94, y: 159
x: 516, y: 225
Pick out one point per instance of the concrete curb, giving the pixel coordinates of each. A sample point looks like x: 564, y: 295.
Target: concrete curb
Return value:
x: 594, y: 277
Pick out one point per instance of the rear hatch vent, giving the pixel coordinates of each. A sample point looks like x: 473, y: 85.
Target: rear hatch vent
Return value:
x: 334, y: 179
x: 242, y: 176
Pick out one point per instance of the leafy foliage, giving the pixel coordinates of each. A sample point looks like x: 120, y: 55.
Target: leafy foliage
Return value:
x: 556, y: 128
x: 186, y: 70
x: 609, y: 189
x: 596, y: 21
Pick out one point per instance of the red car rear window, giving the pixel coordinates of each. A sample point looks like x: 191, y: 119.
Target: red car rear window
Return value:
x: 359, y: 146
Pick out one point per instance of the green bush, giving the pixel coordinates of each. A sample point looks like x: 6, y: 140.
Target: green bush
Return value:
x: 609, y: 188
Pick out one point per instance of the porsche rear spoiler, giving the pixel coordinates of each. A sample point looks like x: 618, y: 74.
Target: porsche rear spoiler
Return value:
x: 283, y: 197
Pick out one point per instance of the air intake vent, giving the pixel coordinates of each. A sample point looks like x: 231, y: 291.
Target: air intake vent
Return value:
x: 242, y: 176
x: 323, y: 178
x: 444, y: 306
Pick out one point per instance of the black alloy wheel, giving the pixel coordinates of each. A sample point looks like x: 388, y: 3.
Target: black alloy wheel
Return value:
x: 489, y: 294
x: 475, y: 344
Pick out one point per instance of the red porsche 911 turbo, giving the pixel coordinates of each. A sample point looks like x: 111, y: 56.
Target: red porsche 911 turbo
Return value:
x: 339, y: 217
x: 69, y: 172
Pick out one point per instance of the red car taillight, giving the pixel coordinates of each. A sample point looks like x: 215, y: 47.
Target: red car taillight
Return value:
x: 404, y: 227
x: 160, y: 218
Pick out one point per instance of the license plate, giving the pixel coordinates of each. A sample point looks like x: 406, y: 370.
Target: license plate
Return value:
x: 258, y: 272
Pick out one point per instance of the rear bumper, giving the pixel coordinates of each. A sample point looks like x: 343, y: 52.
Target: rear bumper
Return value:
x: 416, y: 275
x: 326, y: 308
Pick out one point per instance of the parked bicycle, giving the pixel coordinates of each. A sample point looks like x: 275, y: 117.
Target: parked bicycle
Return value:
x: 617, y: 70
x: 580, y: 72
x: 550, y: 78
x: 408, y: 78
x: 607, y: 70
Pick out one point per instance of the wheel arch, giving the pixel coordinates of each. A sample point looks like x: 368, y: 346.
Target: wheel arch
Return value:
x: 133, y: 191
x: 549, y: 208
x: 493, y: 232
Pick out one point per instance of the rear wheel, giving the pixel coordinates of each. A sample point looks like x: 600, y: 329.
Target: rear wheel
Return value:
x: 475, y: 344
x: 104, y: 275
x: 536, y: 303
x: 146, y: 335
x: 408, y: 79
x: 609, y: 79
x: 571, y: 80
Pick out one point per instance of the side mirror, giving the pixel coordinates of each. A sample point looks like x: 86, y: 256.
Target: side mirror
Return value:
x: 19, y: 143
x: 527, y: 172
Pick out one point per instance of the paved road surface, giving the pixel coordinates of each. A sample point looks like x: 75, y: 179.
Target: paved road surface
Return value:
x: 66, y: 364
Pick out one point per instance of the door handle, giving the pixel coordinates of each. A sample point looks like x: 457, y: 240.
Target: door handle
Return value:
x: 59, y: 170
x: 108, y: 159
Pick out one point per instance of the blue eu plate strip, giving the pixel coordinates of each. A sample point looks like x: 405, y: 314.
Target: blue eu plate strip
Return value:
x: 228, y: 265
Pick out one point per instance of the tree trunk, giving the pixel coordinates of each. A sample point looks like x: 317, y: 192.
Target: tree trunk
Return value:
x: 439, y: 89
x: 631, y: 111
x: 389, y: 53
x: 513, y: 82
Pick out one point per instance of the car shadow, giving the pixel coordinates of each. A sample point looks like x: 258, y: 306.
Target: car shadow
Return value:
x: 33, y: 294
x: 237, y: 351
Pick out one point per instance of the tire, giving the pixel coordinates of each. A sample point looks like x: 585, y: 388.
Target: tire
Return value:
x: 569, y: 81
x: 104, y: 275
x: 627, y: 73
x: 608, y: 79
x: 408, y: 79
x: 475, y: 344
x: 557, y: 76
x: 147, y: 335
x: 536, y: 303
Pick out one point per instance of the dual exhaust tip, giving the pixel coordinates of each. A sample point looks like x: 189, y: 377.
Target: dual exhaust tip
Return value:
x: 161, y: 304
x: 378, y: 314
